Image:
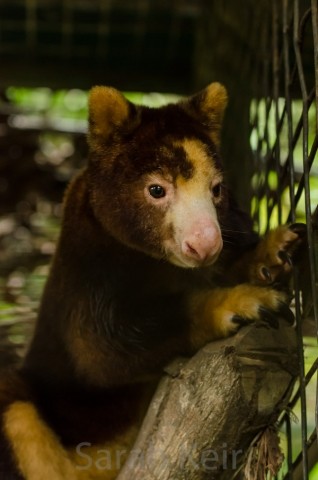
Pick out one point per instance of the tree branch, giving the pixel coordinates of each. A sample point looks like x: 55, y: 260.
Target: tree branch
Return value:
x: 207, y: 410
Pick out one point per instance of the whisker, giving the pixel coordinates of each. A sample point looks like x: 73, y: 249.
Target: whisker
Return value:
x: 236, y: 231
x: 228, y: 242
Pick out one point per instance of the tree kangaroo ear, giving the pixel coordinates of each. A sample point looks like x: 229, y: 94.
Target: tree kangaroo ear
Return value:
x: 109, y: 112
x: 208, y: 107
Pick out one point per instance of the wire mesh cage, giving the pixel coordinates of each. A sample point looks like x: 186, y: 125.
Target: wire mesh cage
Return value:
x: 283, y: 129
x: 284, y: 139
x: 93, y: 39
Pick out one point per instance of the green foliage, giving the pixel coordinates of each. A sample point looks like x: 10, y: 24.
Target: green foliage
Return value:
x: 64, y: 110
x: 73, y: 103
x: 64, y: 103
x: 265, y: 142
x: 314, y: 473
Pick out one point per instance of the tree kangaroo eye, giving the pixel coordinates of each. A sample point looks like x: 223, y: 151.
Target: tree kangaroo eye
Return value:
x: 216, y: 190
x: 157, y: 191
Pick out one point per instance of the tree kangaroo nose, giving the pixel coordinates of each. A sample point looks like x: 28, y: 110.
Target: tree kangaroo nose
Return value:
x: 202, y: 243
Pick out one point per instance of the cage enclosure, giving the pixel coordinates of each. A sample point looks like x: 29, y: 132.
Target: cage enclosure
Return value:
x: 265, y: 52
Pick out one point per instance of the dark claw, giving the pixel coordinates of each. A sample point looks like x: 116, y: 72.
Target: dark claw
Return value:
x: 286, y: 313
x: 283, y: 287
x: 279, y: 286
x: 285, y: 257
x: 299, y: 228
x: 266, y: 273
x: 269, y: 317
x: 241, y: 321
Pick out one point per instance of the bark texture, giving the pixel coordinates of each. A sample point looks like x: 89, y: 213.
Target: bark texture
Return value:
x: 208, y: 409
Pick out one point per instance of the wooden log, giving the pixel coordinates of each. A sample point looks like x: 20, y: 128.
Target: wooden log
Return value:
x: 208, y: 409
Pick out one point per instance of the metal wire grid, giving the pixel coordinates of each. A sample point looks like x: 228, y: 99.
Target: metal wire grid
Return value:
x: 59, y: 43
x: 103, y: 29
x: 285, y: 164
x: 284, y: 158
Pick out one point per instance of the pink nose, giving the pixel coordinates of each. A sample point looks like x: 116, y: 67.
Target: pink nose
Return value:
x: 202, y: 245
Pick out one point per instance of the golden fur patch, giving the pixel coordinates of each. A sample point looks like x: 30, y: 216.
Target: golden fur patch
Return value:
x: 212, y: 104
x: 212, y: 311
x: 40, y: 455
x: 204, y: 170
x: 193, y: 200
x: 282, y: 239
x: 215, y: 103
x: 107, y: 108
x: 37, y: 450
x: 103, y: 461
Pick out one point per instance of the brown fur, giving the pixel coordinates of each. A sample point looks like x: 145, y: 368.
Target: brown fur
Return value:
x: 243, y: 300
x: 117, y: 307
